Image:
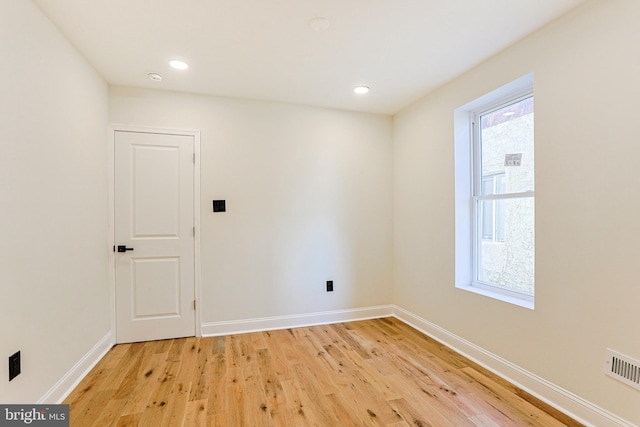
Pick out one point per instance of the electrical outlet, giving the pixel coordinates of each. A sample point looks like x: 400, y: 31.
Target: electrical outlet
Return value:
x: 14, y: 365
x: 329, y: 285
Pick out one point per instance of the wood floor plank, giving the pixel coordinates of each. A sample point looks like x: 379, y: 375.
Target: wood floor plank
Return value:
x: 219, y: 379
x: 234, y: 414
x: 295, y: 410
x: 256, y: 411
x: 196, y: 415
x: 126, y: 364
x: 427, y: 417
x: 130, y: 420
x: 272, y: 387
x: 156, y: 408
x: 92, y: 409
x: 110, y: 413
x: 176, y: 408
x: 219, y: 420
x: 139, y: 370
x: 426, y: 402
x: 200, y: 387
x: 188, y: 360
x: 285, y: 352
x: 378, y: 372
x: 319, y: 409
x: 343, y: 412
x: 520, y: 408
x: 88, y: 386
x: 115, y: 355
x: 146, y: 384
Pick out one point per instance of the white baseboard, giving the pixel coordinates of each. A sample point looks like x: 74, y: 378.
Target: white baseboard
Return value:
x: 561, y: 399
x: 72, y: 378
x: 294, y: 321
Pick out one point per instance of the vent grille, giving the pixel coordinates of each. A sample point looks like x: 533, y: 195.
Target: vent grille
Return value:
x: 623, y: 368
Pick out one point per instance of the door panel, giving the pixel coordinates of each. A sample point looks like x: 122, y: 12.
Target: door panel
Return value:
x: 154, y: 214
x: 156, y: 193
x: 155, y: 287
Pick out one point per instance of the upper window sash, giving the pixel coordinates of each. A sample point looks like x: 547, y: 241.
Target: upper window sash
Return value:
x: 475, y: 118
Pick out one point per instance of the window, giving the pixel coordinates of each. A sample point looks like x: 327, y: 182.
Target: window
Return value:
x: 495, y: 234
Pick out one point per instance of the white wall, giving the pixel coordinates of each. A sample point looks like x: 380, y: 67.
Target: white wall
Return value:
x: 53, y: 195
x: 587, y: 86
x: 308, y: 194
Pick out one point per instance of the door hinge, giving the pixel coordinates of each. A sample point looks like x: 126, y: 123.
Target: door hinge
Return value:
x: 194, y: 158
x: 194, y: 231
x: 194, y: 304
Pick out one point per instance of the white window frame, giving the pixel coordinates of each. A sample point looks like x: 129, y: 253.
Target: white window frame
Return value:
x: 468, y: 190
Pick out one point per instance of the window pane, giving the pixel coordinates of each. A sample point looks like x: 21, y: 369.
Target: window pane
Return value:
x: 487, y: 220
x: 499, y: 220
x: 487, y: 185
x: 506, y: 144
x: 500, y: 184
x: 509, y: 264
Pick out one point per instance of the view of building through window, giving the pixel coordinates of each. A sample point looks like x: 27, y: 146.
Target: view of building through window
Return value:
x: 505, y: 198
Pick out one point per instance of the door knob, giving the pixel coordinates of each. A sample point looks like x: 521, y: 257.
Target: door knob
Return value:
x: 123, y: 248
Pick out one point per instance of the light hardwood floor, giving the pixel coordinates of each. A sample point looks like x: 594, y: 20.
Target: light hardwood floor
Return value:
x: 371, y: 373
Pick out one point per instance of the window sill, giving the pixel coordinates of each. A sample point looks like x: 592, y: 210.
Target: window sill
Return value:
x: 521, y: 301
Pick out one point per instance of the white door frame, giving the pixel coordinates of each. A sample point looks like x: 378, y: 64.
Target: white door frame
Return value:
x: 113, y: 128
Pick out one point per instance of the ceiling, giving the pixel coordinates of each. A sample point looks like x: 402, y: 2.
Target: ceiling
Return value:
x: 267, y: 49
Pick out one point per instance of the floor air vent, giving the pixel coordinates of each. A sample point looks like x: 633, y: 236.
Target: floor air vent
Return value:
x: 623, y: 368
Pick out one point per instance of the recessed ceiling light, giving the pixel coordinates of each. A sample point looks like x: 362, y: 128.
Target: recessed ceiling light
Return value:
x: 179, y: 65
x: 361, y: 90
x: 155, y: 77
x: 320, y: 24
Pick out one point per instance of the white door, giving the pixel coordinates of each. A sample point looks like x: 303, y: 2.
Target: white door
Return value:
x: 154, y: 238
